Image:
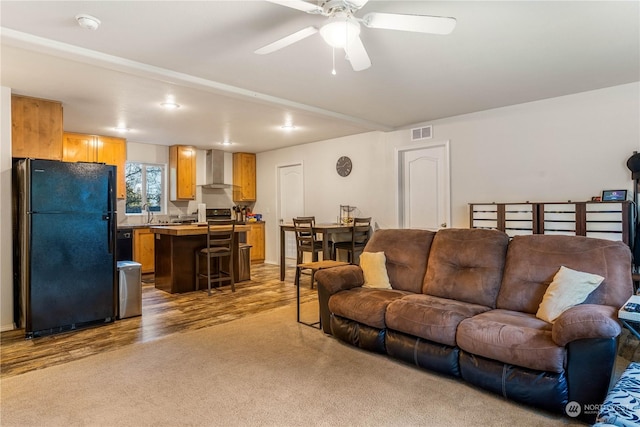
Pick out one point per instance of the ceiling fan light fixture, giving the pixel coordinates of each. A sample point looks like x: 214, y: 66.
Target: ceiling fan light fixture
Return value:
x: 169, y: 105
x: 340, y: 30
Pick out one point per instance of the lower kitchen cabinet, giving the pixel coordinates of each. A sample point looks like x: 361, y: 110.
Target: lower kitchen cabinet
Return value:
x: 255, y: 238
x: 144, y: 249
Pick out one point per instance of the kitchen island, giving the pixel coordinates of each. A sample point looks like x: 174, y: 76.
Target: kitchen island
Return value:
x: 175, y: 249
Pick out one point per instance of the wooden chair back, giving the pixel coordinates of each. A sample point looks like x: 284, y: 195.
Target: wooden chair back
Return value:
x: 221, y: 234
x: 360, y: 232
x: 305, y: 237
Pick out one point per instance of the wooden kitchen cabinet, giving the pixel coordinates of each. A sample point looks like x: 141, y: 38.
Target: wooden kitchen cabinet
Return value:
x: 255, y: 238
x: 182, y: 172
x: 144, y: 249
x: 244, y: 177
x: 77, y: 147
x: 36, y: 128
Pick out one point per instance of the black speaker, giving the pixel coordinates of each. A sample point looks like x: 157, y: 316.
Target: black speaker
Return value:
x: 634, y: 165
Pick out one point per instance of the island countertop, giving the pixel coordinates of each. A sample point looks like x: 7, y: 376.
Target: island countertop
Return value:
x: 190, y: 229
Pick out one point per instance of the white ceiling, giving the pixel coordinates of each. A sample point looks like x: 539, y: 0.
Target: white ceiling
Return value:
x: 500, y: 53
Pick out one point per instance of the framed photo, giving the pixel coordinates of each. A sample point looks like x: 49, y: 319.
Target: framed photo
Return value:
x: 614, y: 195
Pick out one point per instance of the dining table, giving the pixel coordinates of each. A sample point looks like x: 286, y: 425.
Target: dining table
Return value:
x: 326, y: 229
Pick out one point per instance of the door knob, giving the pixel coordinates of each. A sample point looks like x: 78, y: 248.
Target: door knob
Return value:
x: 443, y: 225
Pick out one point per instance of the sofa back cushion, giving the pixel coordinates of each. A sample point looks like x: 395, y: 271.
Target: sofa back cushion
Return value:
x: 533, y: 261
x: 406, y: 252
x: 466, y: 265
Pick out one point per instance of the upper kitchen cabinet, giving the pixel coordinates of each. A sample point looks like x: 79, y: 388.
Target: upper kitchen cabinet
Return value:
x: 182, y: 172
x: 244, y: 177
x: 77, y: 147
x: 36, y: 128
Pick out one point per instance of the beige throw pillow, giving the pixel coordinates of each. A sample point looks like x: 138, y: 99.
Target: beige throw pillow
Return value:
x: 568, y: 288
x: 374, y: 269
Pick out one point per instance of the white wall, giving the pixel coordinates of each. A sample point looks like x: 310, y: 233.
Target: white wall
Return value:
x: 566, y: 148
x: 6, y: 236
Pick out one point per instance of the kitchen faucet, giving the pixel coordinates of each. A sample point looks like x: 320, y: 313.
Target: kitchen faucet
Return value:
x: 145, y: 207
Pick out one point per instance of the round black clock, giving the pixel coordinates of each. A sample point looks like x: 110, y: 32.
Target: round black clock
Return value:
x: 344, y: 166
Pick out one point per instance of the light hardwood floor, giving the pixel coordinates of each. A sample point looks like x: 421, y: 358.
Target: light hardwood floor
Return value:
x: 162, y: 314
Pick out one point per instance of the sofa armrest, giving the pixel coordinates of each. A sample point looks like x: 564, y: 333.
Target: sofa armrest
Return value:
x: 586, y: 321
x: 331, y: 281
x: 340, y: 278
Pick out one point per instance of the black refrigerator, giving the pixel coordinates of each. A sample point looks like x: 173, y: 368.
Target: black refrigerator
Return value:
x: 65, y: 230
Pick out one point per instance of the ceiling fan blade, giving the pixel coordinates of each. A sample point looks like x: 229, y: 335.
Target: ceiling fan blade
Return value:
x: 286, y: 41
x: 357, y: 4
x: 298, y: 5
x: 416, y: 23
x: 357, y: 55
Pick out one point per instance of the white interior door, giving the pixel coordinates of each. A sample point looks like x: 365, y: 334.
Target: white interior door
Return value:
x: 290, y: 204
x: 424, y: 198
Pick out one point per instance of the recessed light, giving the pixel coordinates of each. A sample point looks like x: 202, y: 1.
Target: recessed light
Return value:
x: 288, y: 127
x: 87, y: 21
x: 122, y: 129
x: 170, y: 105
x: 225, y: 143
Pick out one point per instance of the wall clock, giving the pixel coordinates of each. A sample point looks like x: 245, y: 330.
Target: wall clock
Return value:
x: 344, y: 166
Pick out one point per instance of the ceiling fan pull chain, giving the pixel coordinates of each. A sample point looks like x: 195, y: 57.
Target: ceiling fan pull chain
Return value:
x: 333, y: 54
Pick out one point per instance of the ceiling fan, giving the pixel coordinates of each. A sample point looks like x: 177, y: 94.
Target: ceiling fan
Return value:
x: 342, y: 29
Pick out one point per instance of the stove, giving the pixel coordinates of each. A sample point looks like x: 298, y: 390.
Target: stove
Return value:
x: 218, y: 213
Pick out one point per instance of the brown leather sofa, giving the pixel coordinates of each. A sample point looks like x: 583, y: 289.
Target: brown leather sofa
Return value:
x: 463, y: 303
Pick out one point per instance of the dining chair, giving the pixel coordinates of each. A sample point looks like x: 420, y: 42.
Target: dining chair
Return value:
x: 220, y: 242
x: 306, y: 242
x: 360, y: 233
x: 306, y: 238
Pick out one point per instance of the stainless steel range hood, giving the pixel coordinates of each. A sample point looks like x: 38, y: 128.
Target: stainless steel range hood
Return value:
x: 215, y: 170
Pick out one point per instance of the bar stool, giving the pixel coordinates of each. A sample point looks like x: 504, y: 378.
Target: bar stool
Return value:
x: 220, y: 242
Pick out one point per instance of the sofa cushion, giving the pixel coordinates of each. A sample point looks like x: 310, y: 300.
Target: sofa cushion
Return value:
x: 407, y: 252
x: 466, y: 265
x: 512, y: 337
x: 432, y: 318
x: 364, y: 305
x: 532, y: 261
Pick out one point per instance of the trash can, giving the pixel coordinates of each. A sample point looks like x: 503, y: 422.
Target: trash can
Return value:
x: 129, y: 289
x: 244, y: 259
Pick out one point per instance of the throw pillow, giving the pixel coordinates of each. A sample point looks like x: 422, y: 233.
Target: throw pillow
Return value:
x: 568, y: 288
x: 374, y: 269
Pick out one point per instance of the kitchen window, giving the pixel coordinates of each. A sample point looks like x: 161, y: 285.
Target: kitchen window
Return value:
x: 145, y: 187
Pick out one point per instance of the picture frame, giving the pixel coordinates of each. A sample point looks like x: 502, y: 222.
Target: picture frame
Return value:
x: 614, y: 195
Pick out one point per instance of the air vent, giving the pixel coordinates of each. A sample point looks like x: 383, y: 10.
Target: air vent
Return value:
x: 421, y: 133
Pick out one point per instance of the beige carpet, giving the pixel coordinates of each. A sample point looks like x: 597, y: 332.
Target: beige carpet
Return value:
x: 262, y: 370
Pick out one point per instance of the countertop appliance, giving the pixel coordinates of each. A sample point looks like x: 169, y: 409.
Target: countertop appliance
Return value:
x: 65, y: 226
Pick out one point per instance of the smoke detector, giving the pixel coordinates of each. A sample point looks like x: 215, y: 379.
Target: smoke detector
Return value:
x: 87, y: 21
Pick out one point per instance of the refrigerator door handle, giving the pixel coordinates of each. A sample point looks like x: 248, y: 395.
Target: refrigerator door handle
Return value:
x: 110, y: 217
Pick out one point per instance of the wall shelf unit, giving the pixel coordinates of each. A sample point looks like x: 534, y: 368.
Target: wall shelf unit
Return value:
x: 602, y: 220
